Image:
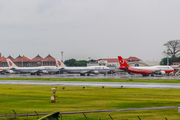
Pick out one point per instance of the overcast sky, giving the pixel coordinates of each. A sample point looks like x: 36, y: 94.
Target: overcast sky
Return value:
x: 88, y: 28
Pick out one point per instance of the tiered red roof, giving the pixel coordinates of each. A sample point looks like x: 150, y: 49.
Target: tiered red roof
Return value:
x: 26, y: 58
x: 22, y: 59
x: 133, y: 59
x: 11, y: 58
x: 2, y: 58
x: 38, y: 58
x: 49, y: 58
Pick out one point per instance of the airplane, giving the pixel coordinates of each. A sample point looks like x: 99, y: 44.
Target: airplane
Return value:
x: 145, y: 71
x: 4, y: 70
x: 32, y: 70
x: 82, y: 70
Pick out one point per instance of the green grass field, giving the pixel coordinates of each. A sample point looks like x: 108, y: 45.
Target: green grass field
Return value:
x: 99, y: 80
x: 29, y: 98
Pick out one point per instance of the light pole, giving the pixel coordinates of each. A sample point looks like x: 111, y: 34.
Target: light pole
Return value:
x: 167, y: 61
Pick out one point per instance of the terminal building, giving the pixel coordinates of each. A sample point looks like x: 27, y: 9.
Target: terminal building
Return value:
x: 23, y: 61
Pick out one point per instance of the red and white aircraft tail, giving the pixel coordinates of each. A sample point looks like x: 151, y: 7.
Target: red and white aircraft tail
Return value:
x: 60, y: 64
x: 10, y: 63
x: 122, y: 62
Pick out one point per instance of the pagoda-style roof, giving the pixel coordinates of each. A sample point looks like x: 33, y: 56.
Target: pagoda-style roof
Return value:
x: 11, y: 58
x: 2, y: 58
x: 26, y: 58
x: 49, y: 58
x: 133, y: 59
x: 22, y: 59
x: 38, y: 58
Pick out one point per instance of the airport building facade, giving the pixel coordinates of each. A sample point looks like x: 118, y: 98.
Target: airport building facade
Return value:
x: 23, y: 61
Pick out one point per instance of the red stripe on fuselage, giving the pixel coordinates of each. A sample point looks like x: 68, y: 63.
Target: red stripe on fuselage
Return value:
x: 143, y: 71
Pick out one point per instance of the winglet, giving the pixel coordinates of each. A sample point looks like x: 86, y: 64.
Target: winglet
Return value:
x: 122, y: 62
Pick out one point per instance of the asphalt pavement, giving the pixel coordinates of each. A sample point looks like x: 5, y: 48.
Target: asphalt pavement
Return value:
x: 94, y: 84
x: 112, y: 76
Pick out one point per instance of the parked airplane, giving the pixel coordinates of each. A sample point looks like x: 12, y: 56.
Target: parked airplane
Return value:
x: 82, y: 70
x: 145, y: 71
x: 32, y: 70
x: 4, y: 70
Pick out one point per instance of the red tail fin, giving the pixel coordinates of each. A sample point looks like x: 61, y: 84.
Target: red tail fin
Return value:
x: 122, y: 62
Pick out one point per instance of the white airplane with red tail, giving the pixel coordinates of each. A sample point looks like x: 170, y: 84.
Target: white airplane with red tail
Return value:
x: 4, y: 70
x: 32, y: 70
x: 82, y: 70
x: 145, y: 71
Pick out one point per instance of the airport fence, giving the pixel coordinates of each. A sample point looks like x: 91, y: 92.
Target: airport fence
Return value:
x: 63, y: 116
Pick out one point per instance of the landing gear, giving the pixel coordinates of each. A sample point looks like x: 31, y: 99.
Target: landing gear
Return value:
x: 145, y: 75
x: 39, y: 74
x: 152, y: 75
x: 82, y: 74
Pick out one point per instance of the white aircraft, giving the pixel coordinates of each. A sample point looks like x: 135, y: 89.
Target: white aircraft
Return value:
x: 32, y: 70
x: 4, y: 70
x: 82, y: 70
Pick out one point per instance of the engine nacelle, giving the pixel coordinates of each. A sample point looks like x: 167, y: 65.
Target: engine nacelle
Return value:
x: 162, y: 73
x: 45, y: 72
x: 10, y: 71
x: 96, y: 72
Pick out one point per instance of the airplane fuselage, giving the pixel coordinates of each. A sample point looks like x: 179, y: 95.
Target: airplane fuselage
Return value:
x: 145, y: 70
x: 90, y: 69
x: 47, y: 69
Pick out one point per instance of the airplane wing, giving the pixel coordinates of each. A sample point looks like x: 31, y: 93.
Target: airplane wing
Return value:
x: 155, y: 72
x: 93, y: 71
x: 85, y: 71
x: 38, y: 71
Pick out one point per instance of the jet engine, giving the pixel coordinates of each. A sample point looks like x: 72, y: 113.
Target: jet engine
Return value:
x: 96, y: 72
x: 162, y: 73
x: 44, y: 71
x: 10, y: 71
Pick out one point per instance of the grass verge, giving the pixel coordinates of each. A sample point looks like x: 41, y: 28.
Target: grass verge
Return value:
x: 29, y: 98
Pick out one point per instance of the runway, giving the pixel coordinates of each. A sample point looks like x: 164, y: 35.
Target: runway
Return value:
x: 108, y: 76
x: 94, y: 84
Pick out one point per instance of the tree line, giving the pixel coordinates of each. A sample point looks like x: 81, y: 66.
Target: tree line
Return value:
x: 74, y: 62
x: 172, y: 52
